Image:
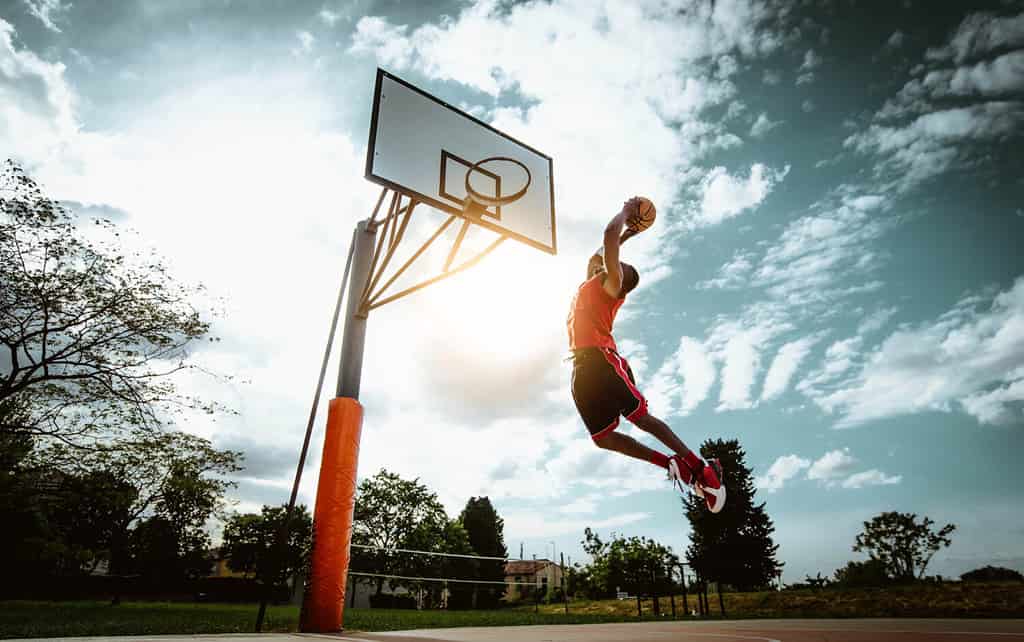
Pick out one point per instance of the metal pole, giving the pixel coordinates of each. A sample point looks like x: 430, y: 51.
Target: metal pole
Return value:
x: 324, y: 604
x: 350, y: 368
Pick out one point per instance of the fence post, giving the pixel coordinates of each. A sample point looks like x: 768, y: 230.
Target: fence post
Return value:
x: 639, y: 608
x: 565, y: 596
x: 682, y: 576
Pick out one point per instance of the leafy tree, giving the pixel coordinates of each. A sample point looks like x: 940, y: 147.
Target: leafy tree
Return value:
x: 635, y: 564
x: 250, y: 543
x: 992, y: 574
x: 451, y: 537
x: 159, y: 550
x: 55, y: 521
x: 902, y: 544
x: 176, y: 476
x: 486, y: 531
x: 91, y: 333
x: 24, y: 532
x: 735, y: 546
x: 867, y: 573
x: 391, y: 512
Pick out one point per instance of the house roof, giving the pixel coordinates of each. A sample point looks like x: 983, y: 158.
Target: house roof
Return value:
x: 525, y: 567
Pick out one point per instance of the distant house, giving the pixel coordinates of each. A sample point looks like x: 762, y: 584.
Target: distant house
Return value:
x: 540, y: 574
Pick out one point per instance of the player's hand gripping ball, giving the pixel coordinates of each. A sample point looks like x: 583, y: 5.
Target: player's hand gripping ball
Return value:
x: 641, y: 214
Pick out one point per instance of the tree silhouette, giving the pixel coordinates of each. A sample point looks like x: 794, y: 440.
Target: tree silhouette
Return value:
x: 735, y: 546
x: 486, y: 530
x: 902, y: 544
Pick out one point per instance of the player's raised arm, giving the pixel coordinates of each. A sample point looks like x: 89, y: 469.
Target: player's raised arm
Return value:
x: 613, y: 238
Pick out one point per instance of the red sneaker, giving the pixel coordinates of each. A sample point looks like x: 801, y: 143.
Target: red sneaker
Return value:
x: 680, y: 474
x: 710, y: 486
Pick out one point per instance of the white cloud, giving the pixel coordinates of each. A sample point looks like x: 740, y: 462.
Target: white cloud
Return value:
x: 811, y: 61
x: 832, y: 466
x: 999, y: 406
x: 725, y: 196
x: 738, y: 345
x: 784, y: 366
x: 46, y: 11
x: 763, y: 125
x: 331, y: 17
x: 388, y: 42
x: 584, y: 505
x: 306, y: 41
x: 814, y: 252
x: 807, y: 106
x: 968, y: 355
x: 873, y: 477
x: 785, y: 468
x: 731, y: 275
x: 979, y: 34
x: 806, y: 79
x: 535, y: 524
x: 1003, y: 75
x: 684, y: 380
x: 771, y: 77
x: 932, y: 143
x: 876, y: 320
x: 38, y: 118
x: 896, y: 40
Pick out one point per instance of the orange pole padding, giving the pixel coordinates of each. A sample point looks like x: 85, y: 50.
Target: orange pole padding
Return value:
x: 323, y: 606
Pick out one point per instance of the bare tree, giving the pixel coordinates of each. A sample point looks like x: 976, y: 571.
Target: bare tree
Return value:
x: 91, y: 334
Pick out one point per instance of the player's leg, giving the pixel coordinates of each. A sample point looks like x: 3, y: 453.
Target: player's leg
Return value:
x: 660, y: 431
x: 685, y: 466
x: 707, y: 476
x: 628, y: 446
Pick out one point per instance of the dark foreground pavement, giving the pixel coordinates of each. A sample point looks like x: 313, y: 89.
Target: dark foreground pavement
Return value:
x: 874, y: 630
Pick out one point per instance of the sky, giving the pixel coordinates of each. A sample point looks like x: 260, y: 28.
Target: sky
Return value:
x: 834, y: 277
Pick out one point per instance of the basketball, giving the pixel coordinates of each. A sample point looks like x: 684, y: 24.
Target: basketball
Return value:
x: 644, y: 215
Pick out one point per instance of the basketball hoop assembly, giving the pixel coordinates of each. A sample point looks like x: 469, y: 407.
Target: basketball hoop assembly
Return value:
x: 418, y: 150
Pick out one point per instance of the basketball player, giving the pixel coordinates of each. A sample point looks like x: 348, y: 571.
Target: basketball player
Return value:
x: 603, y: 386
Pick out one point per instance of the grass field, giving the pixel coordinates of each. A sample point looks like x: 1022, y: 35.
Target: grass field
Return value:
x: 924, y: 600
x: 59, y: 619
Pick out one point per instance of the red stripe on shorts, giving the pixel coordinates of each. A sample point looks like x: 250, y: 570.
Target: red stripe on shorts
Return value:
x: 618, y: 364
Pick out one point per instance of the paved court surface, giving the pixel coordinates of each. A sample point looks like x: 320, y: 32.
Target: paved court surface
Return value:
x: 740, y: 630
x: 901, y: 630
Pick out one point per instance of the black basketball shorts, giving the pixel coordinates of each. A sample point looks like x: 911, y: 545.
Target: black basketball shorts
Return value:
x: 604, y: 389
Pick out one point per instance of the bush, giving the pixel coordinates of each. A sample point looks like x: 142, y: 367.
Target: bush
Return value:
x: 859, y: 574
x: 385, y: 601
x: 992, y: 574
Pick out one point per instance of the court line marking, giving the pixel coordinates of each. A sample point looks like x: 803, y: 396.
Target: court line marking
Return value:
x: 904, y: 631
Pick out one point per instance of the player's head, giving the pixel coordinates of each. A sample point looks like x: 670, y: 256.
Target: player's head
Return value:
x: 630, y: 279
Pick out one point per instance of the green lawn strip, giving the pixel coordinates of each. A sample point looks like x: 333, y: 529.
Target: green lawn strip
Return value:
x: 67, y: 619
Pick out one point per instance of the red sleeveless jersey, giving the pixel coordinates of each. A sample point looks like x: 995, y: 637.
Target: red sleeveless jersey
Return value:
x: 592, y: 315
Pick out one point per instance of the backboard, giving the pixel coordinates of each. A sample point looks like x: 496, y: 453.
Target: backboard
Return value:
x: 432, y: 152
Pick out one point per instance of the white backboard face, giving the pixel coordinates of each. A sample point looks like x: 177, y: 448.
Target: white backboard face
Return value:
x: 423, y: 147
